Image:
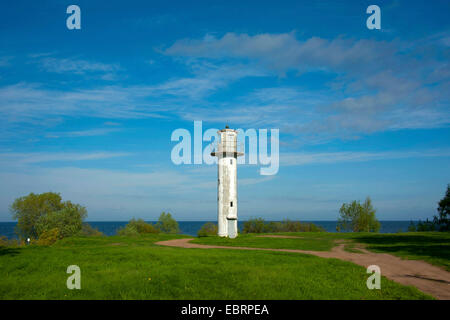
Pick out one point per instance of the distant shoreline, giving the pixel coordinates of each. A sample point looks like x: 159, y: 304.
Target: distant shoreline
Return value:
x: 109, y: 228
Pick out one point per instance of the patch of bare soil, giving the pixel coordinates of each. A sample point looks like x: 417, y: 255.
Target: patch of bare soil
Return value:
x: 428, y: 278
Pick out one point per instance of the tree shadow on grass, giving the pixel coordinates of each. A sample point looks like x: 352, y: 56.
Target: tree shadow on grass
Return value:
x: 423, y: 240
x: 5, y: 251
x: 433, y: 246
x: 433, y: 251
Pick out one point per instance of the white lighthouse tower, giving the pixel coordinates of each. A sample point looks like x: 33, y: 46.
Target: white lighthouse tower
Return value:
x: 227, y: 153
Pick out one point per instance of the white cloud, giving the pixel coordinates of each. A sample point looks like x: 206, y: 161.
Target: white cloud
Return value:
x: 31, y: 103
x: 83, y: 133
x: 16, y: 158
x: 298, y: 159
x: 283, y: 51
x: 75, y: 66
x: 379, y: 85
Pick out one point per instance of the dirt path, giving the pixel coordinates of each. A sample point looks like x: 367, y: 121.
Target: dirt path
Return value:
x: 422, y: 275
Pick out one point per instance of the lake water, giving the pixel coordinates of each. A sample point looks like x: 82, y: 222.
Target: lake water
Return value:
x: 191, y: 227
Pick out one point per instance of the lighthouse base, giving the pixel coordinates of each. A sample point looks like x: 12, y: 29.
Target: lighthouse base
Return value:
x: 232, y: 228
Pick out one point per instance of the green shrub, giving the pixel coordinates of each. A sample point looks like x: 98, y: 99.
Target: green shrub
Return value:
x: 37, y: 213
x: 208, y: 229
x: 254, y: 226
x: 426, y: 225
x: 88, y: 230
x: 49, y: 237
x: 442, y: 221
x: 143, y: 227
x: 127, y: 231
x: 135, y: 227
x: 258, y: 225
x: 358, y: 217
x: 69, y: 221
x: 4, y: 241
x: 167, y: 224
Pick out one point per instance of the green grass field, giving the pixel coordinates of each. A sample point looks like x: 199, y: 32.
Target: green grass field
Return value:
x: 433, y: 247
x: 135, y: 268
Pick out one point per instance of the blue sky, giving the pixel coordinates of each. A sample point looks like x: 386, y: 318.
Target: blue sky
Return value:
x: 89, y: 113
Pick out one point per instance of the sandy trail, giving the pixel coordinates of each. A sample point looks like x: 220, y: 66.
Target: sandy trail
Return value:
x: 428, y: 278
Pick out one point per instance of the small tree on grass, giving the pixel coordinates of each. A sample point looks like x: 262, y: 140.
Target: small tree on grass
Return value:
x: 358, y: 217
x: 443, y: 220
x: 167, y: 224
x: 39, y: 213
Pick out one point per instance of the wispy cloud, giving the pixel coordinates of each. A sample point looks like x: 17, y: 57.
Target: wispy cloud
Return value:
x: 31, y: 103
x: 75, y: 66
x: 298, y: 159
x: 83, y: 133
x: 377, y: 85
x: 15, y: 158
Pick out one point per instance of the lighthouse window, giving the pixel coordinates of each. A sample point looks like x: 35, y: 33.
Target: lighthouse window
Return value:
x: 231, y: 161
x: 231, y: 203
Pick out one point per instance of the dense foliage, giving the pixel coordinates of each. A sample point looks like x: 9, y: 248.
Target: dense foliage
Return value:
x: 48, y: 237
x: 68, y: 221
x: 40, y: 213
x: 441, y: 222
x: 167, y: 224
x: 208, y: 229
x: 258, y: 225
x: 88, y: 230
x: 443, y: 219
x: 358, y: 217
x: 136, y: 227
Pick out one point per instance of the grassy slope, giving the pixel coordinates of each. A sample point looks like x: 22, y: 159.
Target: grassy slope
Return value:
x: 433, y: 247
x: 135, y: 268
x: 308, y: 241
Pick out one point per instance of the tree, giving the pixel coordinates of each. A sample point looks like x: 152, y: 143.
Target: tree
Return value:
x: 167, y: 224
x: 68, y: 221
x: 443, y: 220
x: 426, y: 225
x: 31, y: 211
x: 358, y: 217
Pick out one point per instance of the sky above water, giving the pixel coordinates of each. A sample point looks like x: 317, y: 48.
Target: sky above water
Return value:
x: 89, y: 113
